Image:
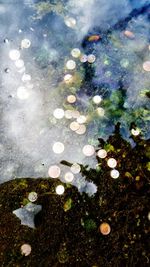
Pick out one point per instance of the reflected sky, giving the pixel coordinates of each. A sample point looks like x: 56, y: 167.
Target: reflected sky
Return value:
x: 41, y: 74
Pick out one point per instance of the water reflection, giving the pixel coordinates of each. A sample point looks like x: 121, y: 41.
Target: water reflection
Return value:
x: 58, y: 58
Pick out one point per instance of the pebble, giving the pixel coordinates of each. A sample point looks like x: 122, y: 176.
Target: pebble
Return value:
x: 105, y: 229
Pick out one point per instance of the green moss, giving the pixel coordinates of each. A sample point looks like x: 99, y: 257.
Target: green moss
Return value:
x: 43, y: 8
x: 23, y: 183
x: 68, y: 204
x: 63, y: 255
x: 25, y: 201
x: 89, y: 225
x: 43, y: 186
x: 109, y: 147
x: 116, y: 41
x: 92, y: 141
x: 144, y: 92
x: 148, y: 166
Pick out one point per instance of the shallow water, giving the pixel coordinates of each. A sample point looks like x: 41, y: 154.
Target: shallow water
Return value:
x: 119, y: 74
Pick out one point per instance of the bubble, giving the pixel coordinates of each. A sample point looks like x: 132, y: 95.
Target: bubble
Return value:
x: 91, y: 58
x: 32, y: 196
x: 114, y: 174
x: 70, y: 65
x: 75, y: 52
x: 124, y: 63
x: 81, y: 119
x: 135, y: 132
x: 58, y: 147
x: 83, y: 58
x: 71, y: 99
x: 19, y: 63
x: 97, y: 99
x: 146, y: 65
x: 29, y: 86
x: 74, y: 126
x: 81, y: 130
x: 75, y: 114
x: 88, y: 150
x: 25, y: 249
x: 100, y: 112
x: 21, y: 70
x: 58, y: 113
x: 54, y: 171
x: 108, y: 73
x: 112, y: 163
x: 60, y: 190
x: 105, y: 228
x: 68, y: 78
x: 69, y: 177
x: 14, y: 54
x: 102, y: 153
x: 26, y: 77
x: 25, y: 43
x: 22, y: 93
x: 68, y: 114
x: 75, y: 168
x: 70, y: 22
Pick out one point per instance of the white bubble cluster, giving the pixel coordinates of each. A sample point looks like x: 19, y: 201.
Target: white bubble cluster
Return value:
x: 88, y: 150
x: 58, y: 147
x: 112, y: 163
x: 76, y: 52
x: 60, y: 190
x: 75, y: 168
x: 70, y: 22
x: 114, y: 174
x: 25, y: 43
x: 54, y: 171
x: 102, y: 153
x: 58, y: 113
x: 97, y: 99
x: 14, y: 54
x: 69, y: 177
x: 135, y: 132
x: 23, y: 93
x: 70, y: 65
x: 32, y: 196
x: 26, y: 249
